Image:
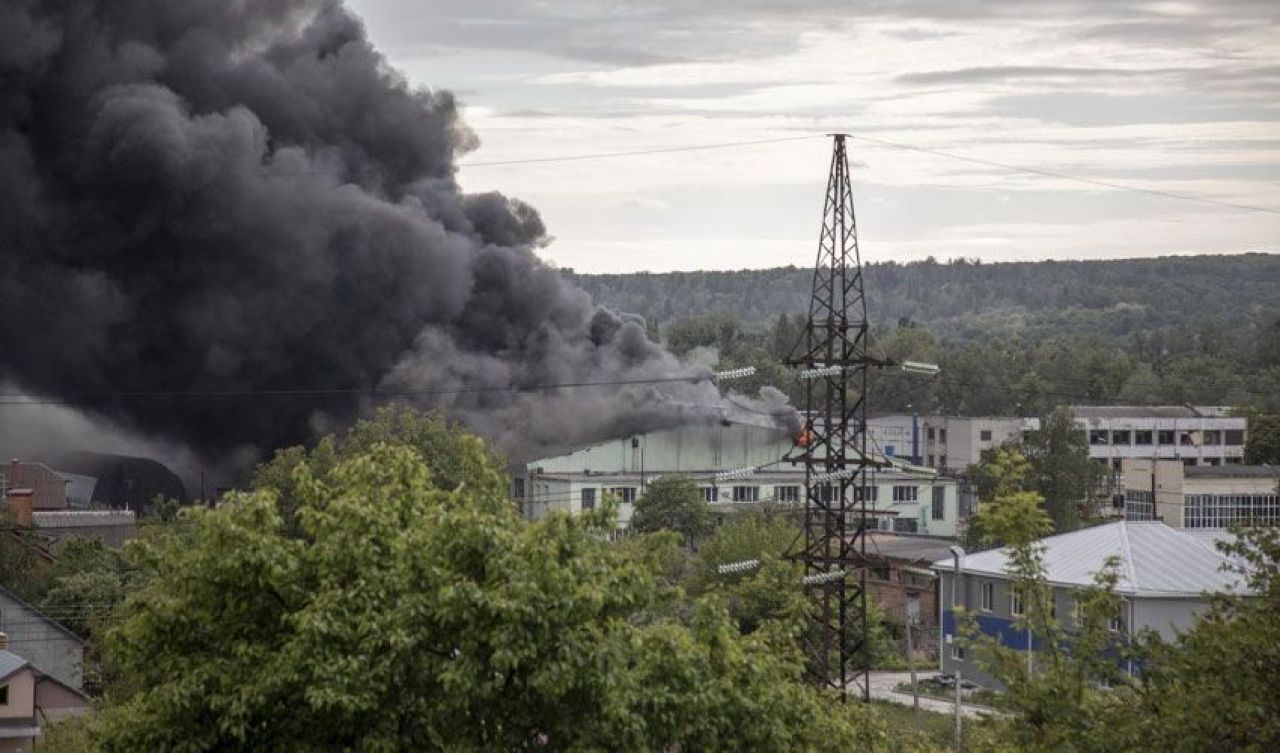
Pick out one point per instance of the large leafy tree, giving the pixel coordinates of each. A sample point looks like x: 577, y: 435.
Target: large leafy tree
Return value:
x: 673, y: 503
x: 1061, y: 470
x: 413, y: 616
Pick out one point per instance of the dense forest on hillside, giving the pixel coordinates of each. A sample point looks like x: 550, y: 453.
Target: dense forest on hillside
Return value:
x: 1011, y: 338
x: 965, y: 299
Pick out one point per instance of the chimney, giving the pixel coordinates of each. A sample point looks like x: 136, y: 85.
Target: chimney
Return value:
x: 22, y: 504
x: 4, y: 642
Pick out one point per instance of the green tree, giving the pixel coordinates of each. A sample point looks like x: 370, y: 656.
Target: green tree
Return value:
x: 434, y: 436
x: 1061, y: 469
x: 1263, y: 444
x: 415, y: 617
x: 673, y: 503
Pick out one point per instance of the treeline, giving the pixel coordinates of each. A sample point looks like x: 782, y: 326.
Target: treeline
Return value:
x: 1170, y: 298
x: 1010, y: 338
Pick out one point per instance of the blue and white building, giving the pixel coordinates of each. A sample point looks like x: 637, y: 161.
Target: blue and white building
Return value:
x: 1164, y: 576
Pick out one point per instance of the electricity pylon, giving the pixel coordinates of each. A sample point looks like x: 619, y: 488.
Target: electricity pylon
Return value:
x: 832, y: 353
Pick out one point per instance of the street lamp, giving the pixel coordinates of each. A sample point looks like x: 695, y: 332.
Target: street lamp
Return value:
x: 958, y: 553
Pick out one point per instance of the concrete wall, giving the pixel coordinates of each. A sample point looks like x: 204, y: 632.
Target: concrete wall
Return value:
x: 50, y: 649
x: 1201, y: 454
x: 1167, y: 616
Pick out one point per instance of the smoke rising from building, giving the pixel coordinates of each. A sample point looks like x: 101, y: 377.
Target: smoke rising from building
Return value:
x: 202, y: 195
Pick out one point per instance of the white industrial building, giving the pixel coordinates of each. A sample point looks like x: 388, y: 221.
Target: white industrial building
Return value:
x: 1191, y: 435
x: 1203, y: 496
x: 1164, y: 574
x: 904, y: 499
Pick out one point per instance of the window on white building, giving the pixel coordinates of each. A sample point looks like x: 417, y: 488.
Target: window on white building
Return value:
x: 1212, y: 436
x: 1099, y: 437
x: 1166, y: 437
x: 985, y: 435
x: 939, y: 503
x: 1142, y: 438
x: 1234, y: 437
x: 786, y: 493
x: 588, y: 499
x: 625, y: 494
x: 746, y: 494
x: 711, y: 493
x: 870, y: 493
x: 906, y: 493
x: 1015, y: 602
x: 1121, y: 437
x: 906, y: 525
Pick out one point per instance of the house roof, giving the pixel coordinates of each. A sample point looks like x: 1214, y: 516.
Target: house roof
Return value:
x: 10, y: 663
x: 63, y: 628
x: 1156, y: 561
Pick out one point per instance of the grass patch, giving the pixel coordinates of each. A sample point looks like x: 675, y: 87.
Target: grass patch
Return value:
x: 938, y: 729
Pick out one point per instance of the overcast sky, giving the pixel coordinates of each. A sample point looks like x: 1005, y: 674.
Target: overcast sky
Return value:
x: 1172, y: 96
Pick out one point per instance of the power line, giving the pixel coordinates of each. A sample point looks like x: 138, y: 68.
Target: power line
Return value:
x: 638, y: 152
x: 1041, y: 172
x: 1063, y: 176
x: 19, y: 399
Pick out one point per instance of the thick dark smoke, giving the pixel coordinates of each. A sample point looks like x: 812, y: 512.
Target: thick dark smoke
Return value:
x: 227, y: 195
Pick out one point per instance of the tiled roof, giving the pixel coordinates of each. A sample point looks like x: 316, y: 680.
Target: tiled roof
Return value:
x: 1156, y: 561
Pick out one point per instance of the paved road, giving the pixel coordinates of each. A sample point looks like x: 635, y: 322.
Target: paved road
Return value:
x: 884, y: 684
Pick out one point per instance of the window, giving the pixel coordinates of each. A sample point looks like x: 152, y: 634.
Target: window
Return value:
x: 746, y: 494
x: 588, y: 499
x: 942, y: 435
x: 786, y: 493
x: 828, y: 492
x: 1212, y: 461
x: 890, y: 450
x: 939, y: 503
x: 905, y: 525
x: 988, y: 596
x: 880, y: 573
x: 1212, y: 436
x: 517, y: 488
x: 985, y: 435
x: 870, y: 493
x: 625, y: 494
x: 4, y: 695
x: 1142, y: 438
x: 942, y: 461
x: 1187, y: 439
x: 1165, y: 437
x: 931, y: 434
x: 1015, y: 602
x: 1121, y: 437
x: 1099, y: 436
x: 1188, y: 462
x: 906, y: 493
x: 1116, y: 463
x: 1235, y: 437
x: 711, y: 493
x: 931, y: 459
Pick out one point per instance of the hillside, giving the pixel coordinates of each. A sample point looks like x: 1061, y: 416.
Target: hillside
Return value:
x: 964, y: 300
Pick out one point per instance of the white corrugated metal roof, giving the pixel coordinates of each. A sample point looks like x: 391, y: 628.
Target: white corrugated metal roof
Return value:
x: 1155, y: 560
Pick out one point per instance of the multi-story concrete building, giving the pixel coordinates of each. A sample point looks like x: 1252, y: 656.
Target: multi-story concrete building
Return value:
x: 953, y: 443
x: 1192, y: 435
x: 1202, y: 496
x: 903, y: 499
x: 1164, y: 576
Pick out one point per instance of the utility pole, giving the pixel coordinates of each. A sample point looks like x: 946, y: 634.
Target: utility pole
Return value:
x: 832, y: 356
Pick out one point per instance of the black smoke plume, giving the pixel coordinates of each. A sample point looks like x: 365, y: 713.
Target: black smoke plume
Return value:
x: 221, y: 196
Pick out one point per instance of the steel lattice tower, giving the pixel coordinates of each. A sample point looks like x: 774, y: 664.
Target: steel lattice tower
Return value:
x: 833, y: 352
